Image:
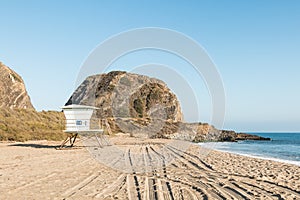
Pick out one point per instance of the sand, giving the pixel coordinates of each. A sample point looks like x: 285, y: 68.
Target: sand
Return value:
x: 36, y: 170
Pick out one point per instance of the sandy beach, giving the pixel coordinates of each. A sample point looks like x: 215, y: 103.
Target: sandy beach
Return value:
x: 36, y: 170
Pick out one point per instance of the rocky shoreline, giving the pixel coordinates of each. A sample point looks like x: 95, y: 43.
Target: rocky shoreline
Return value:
x: 244, y: 136
x: 193, y: 132
x: 231, y: 136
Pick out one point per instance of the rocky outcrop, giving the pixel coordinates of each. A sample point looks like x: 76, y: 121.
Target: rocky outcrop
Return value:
x: 13, y: 93
x: 125, y: 95
x: 244, y: 136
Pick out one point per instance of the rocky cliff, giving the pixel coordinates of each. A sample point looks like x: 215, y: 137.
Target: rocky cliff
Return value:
x: 13, y: 93
x: 19, y: 121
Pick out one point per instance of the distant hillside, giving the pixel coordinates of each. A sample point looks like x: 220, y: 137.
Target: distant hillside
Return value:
x: 24, y: 124
x: 13, y: 93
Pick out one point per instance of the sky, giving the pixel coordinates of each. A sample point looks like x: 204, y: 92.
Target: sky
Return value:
x: 255, y: 46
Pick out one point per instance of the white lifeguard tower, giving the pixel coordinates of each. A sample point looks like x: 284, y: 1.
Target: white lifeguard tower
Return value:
x: 78, y: 121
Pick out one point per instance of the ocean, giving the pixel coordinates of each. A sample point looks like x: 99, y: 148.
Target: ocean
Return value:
x: 284, y: 147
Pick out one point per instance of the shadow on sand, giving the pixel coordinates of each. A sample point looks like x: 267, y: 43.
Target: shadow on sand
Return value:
x: 38, y: 146
x: 45, y: 146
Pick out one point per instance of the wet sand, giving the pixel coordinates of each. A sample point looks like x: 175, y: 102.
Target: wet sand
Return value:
x: 36, y: 170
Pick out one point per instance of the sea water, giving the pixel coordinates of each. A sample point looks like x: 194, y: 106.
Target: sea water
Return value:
x: 283, y: 147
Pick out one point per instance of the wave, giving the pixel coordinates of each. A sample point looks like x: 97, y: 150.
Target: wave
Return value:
x: 225, y: 145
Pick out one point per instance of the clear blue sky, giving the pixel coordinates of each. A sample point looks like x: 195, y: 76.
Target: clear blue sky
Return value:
x: 254, y: 44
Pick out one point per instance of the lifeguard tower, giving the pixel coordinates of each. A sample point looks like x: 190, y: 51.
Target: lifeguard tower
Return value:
x: 78, y: 121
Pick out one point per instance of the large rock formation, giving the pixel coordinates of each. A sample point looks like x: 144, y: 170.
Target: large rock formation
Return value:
x: 124, y: 95
x: 13, y: 93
